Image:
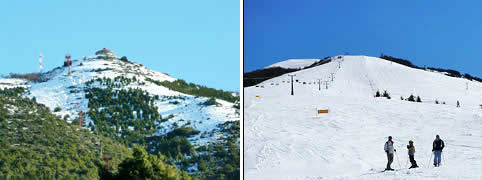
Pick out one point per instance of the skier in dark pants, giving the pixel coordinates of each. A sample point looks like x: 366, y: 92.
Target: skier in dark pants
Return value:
x: 411, y: 154
x: 389, y: 150
x: 458, y: 104
x: 438, y: 146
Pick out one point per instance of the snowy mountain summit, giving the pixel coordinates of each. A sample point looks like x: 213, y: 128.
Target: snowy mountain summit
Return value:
x: 294, y: 63
x: 334, y: 127
x: 165, y: 104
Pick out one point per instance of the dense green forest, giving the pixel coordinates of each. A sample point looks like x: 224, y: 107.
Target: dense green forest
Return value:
x: 130, y: 117
x: 196, y: 90
x: 35, y: 144
x: 121, y: 109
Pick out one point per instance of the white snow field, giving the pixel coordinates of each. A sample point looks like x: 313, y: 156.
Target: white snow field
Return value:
x: 285, y: 138
x: 294, y: 63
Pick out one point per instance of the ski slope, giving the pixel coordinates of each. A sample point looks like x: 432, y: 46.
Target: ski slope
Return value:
x: 286, y: 139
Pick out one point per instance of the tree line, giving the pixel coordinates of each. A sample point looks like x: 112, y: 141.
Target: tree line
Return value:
x: 196, y: 90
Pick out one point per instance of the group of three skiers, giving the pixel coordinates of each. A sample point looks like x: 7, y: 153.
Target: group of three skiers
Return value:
x: 437, y: 147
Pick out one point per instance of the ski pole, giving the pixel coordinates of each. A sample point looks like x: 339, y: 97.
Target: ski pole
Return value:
x: 398, y: 160
x: 406, y: 162
x: 443, y: 157
x: 428, y: 165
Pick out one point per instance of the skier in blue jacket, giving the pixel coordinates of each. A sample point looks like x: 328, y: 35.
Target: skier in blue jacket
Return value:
x: 438, y: 146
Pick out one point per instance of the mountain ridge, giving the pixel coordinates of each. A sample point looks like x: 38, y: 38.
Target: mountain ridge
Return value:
x: 292, y: 65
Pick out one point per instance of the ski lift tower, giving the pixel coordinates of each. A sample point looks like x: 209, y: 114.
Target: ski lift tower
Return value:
x: 67, y: 56
x: 292, y: 91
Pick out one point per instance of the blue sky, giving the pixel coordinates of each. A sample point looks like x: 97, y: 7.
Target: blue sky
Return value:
x: 197, y: 41
x: 444, y: 34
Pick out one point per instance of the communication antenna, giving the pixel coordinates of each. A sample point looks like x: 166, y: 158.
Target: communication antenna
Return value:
x: 80, y: 115
x: 80, y: 118
x: 40, y: 62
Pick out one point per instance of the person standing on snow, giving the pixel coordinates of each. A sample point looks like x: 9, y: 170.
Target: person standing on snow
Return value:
x: 438, y: 146
x: 411, y: 154
x: 389, y: 150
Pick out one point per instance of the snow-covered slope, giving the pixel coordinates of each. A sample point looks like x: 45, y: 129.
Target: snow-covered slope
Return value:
x: 10, y: 83
x: 65, y: 91
x: 294, y: 63
x: 56, y: 92
x: 286, y: 139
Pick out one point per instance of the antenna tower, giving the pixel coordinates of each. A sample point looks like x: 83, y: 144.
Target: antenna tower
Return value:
x: 80, y: 115
x: 40, y: 62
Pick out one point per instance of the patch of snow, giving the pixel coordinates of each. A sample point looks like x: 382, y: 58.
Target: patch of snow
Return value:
x: 8, y: 83
x: 293, y: 63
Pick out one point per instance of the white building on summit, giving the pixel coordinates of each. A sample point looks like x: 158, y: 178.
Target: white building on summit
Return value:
x: 105, y: 54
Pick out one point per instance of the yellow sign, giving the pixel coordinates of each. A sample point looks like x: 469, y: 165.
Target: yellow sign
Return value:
x: 322, y: 111
x: 257, y: 96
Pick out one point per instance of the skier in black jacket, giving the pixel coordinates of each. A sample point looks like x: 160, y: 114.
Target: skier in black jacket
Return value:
x: 438, y: 146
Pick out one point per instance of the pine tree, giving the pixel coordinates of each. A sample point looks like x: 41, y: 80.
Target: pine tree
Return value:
x: 76, y: 121
x: 57, y: 109
x: 385, y: 94
x: 418, y: 99
x: 202, y: 166
x: 377, y: 94
x: 411, y: 98
x: 146, y: 166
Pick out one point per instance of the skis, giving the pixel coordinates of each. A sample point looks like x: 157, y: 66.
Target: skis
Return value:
x: 400, y: 169
x: 388, y: 170
x: 374, y: 171
x: 378, y: 172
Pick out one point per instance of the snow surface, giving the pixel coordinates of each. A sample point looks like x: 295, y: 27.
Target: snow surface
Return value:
x: 286, y: 139
x: 294, y: 63
x: 7, y: 83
